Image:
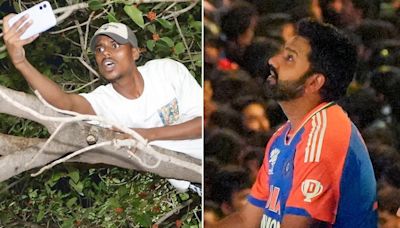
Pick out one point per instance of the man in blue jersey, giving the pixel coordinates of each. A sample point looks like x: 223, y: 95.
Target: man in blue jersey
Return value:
x: 316, y: 171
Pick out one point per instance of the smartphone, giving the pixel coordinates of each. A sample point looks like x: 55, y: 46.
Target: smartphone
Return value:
x: 42, y: 16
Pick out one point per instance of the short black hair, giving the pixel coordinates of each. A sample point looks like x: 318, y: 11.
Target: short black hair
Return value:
x: 389, y: 200
x: 229, y: 180
x: 225, y: 145
x: 237, y: 19
x: 332, y: 54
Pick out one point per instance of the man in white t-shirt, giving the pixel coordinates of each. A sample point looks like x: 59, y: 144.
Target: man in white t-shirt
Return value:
x: 160, y: 100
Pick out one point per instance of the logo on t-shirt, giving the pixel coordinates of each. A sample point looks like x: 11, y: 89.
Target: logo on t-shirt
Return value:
x: 273, y: 156
x: 169, y: 113
x: 310, y: 189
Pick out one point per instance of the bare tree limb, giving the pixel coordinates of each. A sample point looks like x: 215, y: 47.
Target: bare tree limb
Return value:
x: 30, y: 102
x: 80, y: 25
x: 83, y: 86
x: 87, y: 30
x: 9, y: 143
x: 184, y: 10
x: 173, y: 211
x: 74, y: 137
x: 84, y: 63
x: 184, y: 41
x: 68, y: 10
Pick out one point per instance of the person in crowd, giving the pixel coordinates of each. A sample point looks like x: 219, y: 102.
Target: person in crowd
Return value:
x: 230, y: 188
x: 316, y: 169
x: 389, y: 207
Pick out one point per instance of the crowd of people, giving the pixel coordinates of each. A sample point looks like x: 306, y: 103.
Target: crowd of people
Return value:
x: 240, y: 116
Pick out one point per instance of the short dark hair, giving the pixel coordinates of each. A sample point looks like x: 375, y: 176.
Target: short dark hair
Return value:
x: 237, y: 19
x: 228, y: 180
x: 389, y: 199
x: 332, y: 54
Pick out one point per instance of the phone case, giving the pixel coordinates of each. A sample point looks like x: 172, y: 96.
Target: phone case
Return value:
x: 42, y: 16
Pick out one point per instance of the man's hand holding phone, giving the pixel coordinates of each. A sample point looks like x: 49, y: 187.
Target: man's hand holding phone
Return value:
x: 12, y: 37
x: 24, y: 28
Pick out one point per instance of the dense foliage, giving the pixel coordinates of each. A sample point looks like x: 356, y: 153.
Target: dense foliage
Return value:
x: 76, y: 195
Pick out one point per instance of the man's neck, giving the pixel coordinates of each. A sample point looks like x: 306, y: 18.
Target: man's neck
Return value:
x: 296, y: 110
x: 131, y: 86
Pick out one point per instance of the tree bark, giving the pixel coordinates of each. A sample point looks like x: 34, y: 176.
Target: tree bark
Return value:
x: 17, y: 152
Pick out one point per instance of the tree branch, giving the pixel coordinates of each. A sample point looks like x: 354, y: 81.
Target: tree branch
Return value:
x: 184, y: 10
x: 74, y: 137
x: 174, y: 211
x: 30, y: 102
x: 9, y: 143
x: 68, y: 10
x: 184, y: 41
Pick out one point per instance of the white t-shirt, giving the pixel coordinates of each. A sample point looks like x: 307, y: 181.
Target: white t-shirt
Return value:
x: 171, y: 96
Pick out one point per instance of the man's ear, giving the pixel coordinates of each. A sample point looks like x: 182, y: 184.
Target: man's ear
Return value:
x: 135, y: 53
x: 315, y: 82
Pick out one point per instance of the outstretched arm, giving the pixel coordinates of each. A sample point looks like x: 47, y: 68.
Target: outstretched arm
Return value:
x: 50, y: 91
x: 188, y: 130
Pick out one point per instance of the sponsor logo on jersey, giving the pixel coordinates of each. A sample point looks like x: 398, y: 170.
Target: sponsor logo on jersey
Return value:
x: 273, y: 156
x: 268, y: 222
x: 273, y: 203
x: 310, y: 189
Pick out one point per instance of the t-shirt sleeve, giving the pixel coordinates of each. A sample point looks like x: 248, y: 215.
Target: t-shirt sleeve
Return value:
x: 187, y: 90
x: 259, y: 191
x: 318, y: 166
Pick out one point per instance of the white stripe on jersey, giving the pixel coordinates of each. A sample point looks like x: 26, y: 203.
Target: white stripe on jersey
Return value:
x: 316, y: 137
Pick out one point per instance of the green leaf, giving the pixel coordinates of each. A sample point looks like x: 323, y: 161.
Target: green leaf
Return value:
x: 3, y: 55
x: 74, y: 175
x: 135, y: 14
x: 150, y: 44
x: 196, y: 25
x: 95, y: 5
x: 111, y: 17
x: 55, y: 177
x: 122, y: 191
x: 68, y: 224
x: 179, y: 48
x: 196, y: 57
x: 151, y: 28
x: 168, y: 41
x: 71, y: 202
x: 198, y: 63
x: 32, y: 194
x: 40, y: 215
x: 184, y: 196
x: 162, y: 49
x: 144, y: 220
x: 164, y: 23
x: 114, y: 203
x: 78, y: 187
x: 4, y: 217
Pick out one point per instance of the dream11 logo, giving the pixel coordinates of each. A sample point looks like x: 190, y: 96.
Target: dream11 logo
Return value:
x: 310, y: 189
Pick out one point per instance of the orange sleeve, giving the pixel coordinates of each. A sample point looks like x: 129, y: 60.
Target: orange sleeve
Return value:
x: 260, y: 189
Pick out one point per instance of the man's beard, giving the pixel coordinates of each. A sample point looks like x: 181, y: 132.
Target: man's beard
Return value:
x: 286, y: 90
